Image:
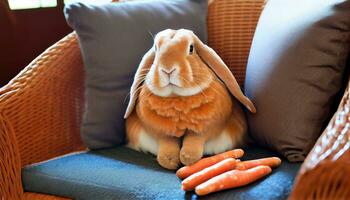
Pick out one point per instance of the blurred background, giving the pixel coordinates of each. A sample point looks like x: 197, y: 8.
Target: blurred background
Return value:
x: 27, y: 28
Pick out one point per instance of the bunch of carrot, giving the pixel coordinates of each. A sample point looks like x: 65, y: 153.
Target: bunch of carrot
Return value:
x: 224, y: 171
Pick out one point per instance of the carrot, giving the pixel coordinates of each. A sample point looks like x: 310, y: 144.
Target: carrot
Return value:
x: 271, y: 162
x: 186, y: 171
x: 200, y: 177
x: 232, y: 179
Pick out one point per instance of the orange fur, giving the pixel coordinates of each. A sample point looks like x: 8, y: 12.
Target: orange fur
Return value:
x: 174, y: 115
x: 183, y: 96
x: 133, y: 127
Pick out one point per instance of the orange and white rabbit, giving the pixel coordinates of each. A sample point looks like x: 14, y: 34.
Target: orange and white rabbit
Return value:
x: 180, y: 105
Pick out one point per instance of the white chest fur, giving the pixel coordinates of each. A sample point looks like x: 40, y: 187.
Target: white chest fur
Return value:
x: 219, y: 144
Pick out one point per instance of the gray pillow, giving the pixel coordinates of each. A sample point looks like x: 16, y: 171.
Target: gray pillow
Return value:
x: 113, y: 38
x: 295, y: 70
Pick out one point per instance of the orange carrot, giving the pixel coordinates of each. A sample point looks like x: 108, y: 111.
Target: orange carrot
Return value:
x: 186, y: 171
x: 271, y: 162
x: 232, y: 179
x: 200, y: 177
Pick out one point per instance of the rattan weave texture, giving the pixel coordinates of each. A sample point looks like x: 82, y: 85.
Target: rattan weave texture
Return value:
x: 34, y: 196
x: 41, y: 109
x: 231, y: 27
x: 325, y: 174
x: 40, y: 113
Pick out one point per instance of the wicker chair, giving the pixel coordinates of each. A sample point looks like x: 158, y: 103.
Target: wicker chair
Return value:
x: 41, y: 109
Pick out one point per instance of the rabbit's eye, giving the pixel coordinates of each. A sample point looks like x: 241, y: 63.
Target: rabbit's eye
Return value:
x: 191, y: 48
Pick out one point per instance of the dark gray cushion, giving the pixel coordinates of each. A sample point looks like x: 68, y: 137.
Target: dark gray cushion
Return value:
x: 113, y: 38
x: 121, y: 173
x: 295, y: 70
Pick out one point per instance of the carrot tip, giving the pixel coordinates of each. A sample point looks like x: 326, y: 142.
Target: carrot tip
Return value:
x: 199, y: 192
x: 181, y: 173
x: 183, y: 188
x: 279, y: 160
x: 238, y: 153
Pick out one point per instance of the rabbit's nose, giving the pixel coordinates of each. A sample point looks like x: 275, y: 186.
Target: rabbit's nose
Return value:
x: 168, y: 71
x: 169, y: 75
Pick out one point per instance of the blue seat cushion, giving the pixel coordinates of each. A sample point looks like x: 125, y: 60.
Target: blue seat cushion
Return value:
x: 122, y: 173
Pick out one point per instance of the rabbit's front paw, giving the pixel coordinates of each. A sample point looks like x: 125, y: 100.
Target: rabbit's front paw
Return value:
x: 188, y: 156
x: 169, y: 159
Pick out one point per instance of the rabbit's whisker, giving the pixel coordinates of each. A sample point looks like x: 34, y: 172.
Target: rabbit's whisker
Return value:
x: 196, y: 84
x: 142, y: 79
x: 213, y: 89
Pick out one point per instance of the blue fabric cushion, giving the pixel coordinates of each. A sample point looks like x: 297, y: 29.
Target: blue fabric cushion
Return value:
x: 121, y: 173
x: 113, y: 38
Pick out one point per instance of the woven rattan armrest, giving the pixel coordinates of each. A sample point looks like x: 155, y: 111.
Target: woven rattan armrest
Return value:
x: 325, y: 174
x: 40, y: 113
x: 41, y: 109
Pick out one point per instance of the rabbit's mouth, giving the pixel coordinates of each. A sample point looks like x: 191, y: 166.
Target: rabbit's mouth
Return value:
x: 172, y: 82
x: 172, y: 85
x: 168, y: 82
x: 172, y: 89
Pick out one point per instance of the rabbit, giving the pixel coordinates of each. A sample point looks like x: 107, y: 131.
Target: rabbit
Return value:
x: 180, y: 105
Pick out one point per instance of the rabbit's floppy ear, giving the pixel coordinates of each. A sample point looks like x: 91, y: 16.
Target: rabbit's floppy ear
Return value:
x: 213, y: 60
x: 142, y: 70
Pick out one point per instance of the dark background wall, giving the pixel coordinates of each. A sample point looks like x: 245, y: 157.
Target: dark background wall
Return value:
x: 24, y: 34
